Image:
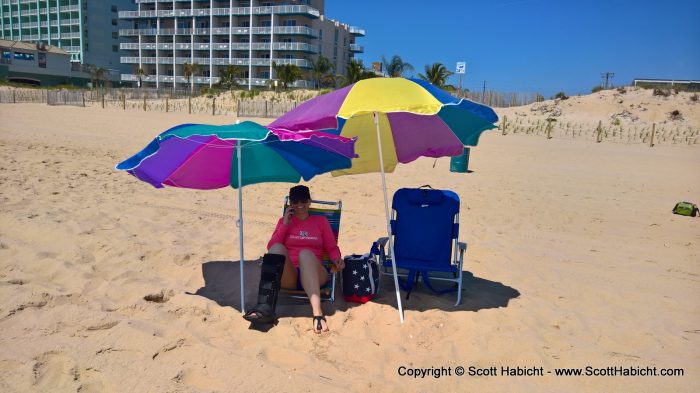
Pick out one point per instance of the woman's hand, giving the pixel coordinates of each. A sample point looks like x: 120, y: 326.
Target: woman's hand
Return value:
x: 288, y: 213
x: 339, y: 264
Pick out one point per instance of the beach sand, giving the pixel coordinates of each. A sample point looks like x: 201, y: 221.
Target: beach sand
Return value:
x: 107, y: 284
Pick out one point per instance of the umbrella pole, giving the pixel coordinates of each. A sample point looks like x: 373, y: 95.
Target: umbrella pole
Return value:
x: 240, y: 223
x: 388, y: 222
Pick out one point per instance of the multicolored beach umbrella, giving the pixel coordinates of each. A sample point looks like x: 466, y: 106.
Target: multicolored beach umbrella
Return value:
x: 395, y: 120
x: 204, y: 157
x: 415, y: 119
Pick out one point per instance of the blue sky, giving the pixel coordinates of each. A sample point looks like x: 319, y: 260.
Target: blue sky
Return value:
x: 533, y: 45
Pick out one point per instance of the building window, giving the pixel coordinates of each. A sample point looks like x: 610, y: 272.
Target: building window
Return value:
x: 115, y: 48
x: 115, y: 35
x: 114, y: 8
x: 289, y: 56
x: 320, y: 34
x: 245, y: 23
x: 114, y: 22
x: 290, y: 22
x: 266, y: 23
x: 336, y: 35
x: 264, y: 75
x: 265, y: 56
x: 24, y: 56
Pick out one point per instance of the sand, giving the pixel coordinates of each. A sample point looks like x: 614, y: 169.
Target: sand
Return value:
x: 574, y: 260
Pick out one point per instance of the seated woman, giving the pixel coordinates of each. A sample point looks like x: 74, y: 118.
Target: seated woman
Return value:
x: 296, y: 246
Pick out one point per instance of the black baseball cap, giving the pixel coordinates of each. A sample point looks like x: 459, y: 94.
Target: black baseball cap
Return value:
x: 299, y: 194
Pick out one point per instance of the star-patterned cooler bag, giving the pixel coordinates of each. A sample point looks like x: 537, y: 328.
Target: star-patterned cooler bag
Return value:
x: 360, y: 278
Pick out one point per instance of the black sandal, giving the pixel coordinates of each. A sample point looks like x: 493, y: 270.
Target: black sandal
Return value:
x: 319, y: 327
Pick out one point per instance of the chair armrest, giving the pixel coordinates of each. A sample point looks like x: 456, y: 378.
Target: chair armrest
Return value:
x: 382, y: 241
x: 462, y: 246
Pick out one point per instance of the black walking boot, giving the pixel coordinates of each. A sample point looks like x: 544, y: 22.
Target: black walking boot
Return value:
x: 268, y: 290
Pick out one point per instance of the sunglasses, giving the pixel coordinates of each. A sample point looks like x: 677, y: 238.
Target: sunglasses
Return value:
x: 298, y: 201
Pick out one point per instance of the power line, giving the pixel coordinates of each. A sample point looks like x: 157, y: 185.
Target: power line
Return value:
x: 607, y: 79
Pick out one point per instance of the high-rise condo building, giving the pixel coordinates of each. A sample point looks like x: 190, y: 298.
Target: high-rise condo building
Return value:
x: 87, y: 29
x: 251, y: 34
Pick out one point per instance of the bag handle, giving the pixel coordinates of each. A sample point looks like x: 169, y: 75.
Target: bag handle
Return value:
x: 427, y: 186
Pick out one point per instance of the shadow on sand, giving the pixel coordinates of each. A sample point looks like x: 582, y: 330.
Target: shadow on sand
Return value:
x: 222, y: 278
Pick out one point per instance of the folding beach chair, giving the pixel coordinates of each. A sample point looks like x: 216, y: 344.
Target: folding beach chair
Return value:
x: 330, y: 210
x: 425, y: 228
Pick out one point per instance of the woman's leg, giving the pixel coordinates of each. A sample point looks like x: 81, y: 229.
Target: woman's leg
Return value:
x: 313, y: 275
x: 289, y: 274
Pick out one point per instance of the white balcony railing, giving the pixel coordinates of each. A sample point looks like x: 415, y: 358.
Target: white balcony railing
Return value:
x: 356, y: 31
x: 303, y: 63
x: 237, y: 11
x: 281, y: 46
x: 205, y: 80
x: 282, y: 30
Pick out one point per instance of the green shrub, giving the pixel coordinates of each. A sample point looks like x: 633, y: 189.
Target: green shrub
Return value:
x: 621, y: 90
x: 675, y: 115
x: 694, y: 97
x: 561, y: 96
x: 596, y: 89
x: 661, y: 92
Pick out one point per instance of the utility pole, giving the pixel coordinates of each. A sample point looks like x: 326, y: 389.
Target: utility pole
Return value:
x: 607, y: 79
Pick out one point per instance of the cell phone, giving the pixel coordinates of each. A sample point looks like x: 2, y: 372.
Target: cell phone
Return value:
x: 291, y: 210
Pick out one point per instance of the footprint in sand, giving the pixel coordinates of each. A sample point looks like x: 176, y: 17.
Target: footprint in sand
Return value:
x: 53, y: 371
x: 197, y: 379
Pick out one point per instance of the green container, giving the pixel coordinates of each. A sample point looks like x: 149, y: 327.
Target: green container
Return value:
x: 460, y: 164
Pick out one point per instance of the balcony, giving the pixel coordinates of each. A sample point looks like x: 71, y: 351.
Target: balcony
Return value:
x: 356, y: 31
x: 258, y: 82
x: 303, y: 63
x: 357, y: 48
x: 280, y: 30
x: 236, y: 11
x: 280, y: 46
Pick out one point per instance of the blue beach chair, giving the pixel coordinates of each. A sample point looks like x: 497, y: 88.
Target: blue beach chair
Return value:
x: 425, y: 229
x: 330, y: 210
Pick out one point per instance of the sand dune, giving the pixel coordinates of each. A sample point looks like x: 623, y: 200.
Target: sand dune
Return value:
x: 110, y: 285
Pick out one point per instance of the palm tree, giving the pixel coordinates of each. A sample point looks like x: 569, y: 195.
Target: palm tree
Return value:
x: 396, y: 67
x: 287, y: 73
x: 140, y: 73
x: 356, y: 72
x: 97, y: 74
x: 320, y: 69
x: 436, y: 74
x: 231, y: 76
x: 188, y: 70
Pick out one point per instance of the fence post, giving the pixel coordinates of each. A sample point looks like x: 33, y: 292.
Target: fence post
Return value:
x: 166, y: 105
x: 189, y: 104
x: 213, y: 106
x: 600, y: 130
x: 103, y: 100
x: 83, y: 94
x: 144, y: 101
x: 238, y: 108
x: 14, y: 97
x: 653, y: 130
x: 505, y: 119
x: 124, y: 100
x: 265, y: 109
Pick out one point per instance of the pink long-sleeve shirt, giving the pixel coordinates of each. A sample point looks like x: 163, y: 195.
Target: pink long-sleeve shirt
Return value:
x: 314, y: 233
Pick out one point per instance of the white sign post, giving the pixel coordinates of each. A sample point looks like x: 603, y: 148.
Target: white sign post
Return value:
x: 461, y: 68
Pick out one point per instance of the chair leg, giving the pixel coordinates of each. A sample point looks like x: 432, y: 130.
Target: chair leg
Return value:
x: 459, y: 289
